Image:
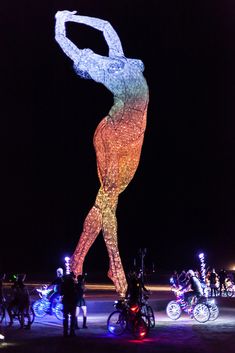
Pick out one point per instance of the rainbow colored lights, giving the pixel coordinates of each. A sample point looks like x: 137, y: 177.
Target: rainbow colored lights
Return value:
x: 118, y: 137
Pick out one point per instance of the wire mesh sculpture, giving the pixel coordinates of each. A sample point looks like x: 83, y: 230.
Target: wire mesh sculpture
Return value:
x: 118, y: 138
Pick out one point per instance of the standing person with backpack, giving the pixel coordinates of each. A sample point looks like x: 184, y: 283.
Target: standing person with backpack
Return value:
x: 69, y: 301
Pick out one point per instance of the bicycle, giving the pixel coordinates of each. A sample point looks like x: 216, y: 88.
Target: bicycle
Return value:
x: 128, y: 317
x: 44, y: 306
x: 202, y: 310
x: 228, y: 292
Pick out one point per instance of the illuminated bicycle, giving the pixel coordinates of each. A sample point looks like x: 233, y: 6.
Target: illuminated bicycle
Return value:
x: 229, y: 292
x: 202, y: 310
x: 128, y: 317
x: 43, y: 306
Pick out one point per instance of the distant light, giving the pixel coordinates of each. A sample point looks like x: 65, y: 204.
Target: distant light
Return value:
x: 67, y: 265
x: 2, y: 338
x: 203, y: 266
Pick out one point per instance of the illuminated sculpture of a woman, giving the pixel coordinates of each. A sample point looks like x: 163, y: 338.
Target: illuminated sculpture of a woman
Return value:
x: 118, y: 137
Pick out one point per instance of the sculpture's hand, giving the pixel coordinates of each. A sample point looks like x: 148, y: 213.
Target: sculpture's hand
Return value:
x: 64, y: 15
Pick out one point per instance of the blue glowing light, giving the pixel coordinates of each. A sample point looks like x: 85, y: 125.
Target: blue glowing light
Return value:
x: 203, y: 266
x: 67, y: 264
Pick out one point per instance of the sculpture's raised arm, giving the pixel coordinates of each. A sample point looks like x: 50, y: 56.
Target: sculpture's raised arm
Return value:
x: 110, y: 35
x: 66, y: 44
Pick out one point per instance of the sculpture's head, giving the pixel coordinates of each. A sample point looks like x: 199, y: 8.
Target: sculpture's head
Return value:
x: 82, y: 73
x: 136, y: 63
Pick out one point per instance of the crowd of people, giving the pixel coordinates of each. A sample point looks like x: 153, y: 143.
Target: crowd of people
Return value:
x: 70, y: 290
x: 65, y: 287
x: 19, y: 298
x: 217, y: 283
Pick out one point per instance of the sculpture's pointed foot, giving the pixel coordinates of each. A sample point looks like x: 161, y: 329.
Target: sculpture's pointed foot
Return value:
x: 119, y: 282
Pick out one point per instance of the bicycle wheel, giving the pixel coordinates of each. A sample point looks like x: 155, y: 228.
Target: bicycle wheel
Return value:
x: 39, y: 308
x: 173, y: 310
x: 31, y: 315
x: 150, y: 314
x: 55, y: 301
x: 116, y: 323
x: 201, y: 313
x: 59, y: 311
x: 214, y: 311
x: 2, y: 312
x: 140, y: 328
x: 230, y: 291
x: 148, y: 311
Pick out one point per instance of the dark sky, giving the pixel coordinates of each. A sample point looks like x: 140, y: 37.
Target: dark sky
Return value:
x: 181, y: 200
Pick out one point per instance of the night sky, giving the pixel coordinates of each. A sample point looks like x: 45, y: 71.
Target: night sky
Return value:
x: 181, y: 200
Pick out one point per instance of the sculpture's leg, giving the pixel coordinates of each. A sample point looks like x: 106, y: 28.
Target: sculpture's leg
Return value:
x: 91, y: 229
x: 116, y: 272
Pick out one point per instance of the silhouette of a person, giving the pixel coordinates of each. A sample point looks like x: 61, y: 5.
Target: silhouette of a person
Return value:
x: 21, y: 299
x: 56, y: 288
x: 213, y: 278
x: 136, y: 288
x: 69, y: 300
x: 193, y: 285
x: 81, y: 302
x: 118, y: 137
x: 2, y: 278
x: 222, y: 281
